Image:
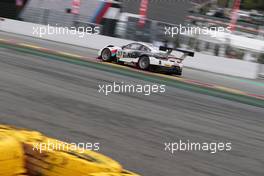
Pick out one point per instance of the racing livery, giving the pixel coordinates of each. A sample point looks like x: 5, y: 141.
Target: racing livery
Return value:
x: 146, y: 57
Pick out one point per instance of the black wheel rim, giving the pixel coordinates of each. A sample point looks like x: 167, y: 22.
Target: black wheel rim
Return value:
x: 143, y: 64
x: 106, y: 55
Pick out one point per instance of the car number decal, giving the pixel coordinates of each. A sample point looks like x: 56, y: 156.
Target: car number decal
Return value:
x: 120, y: 54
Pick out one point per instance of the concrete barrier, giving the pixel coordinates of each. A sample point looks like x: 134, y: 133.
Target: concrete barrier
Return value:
x: 85, y: 40
x: 223, y: 65
x: 201, y: 61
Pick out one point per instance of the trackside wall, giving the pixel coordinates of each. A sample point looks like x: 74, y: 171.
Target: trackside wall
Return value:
x: 201, y: 61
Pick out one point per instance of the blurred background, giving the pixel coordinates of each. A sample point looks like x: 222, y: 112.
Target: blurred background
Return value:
x: 145, y: 20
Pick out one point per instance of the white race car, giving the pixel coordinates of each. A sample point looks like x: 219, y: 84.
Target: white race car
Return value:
x: 146, y: 57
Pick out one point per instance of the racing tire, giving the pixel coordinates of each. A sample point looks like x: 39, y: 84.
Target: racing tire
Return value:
x: 144, y: 63
x: 179, y: 73
x: 106, y: 55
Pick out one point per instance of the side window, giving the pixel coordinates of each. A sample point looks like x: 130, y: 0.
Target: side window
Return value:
x: 144, y: 48
x: 127, y: 46
x: 135, y: 46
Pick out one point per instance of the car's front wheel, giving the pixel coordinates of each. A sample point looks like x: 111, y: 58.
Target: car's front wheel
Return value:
x: 106, y: 55
x: 144, y: 63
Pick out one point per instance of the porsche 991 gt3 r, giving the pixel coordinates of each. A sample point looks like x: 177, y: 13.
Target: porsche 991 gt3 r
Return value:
x: 146, y: 57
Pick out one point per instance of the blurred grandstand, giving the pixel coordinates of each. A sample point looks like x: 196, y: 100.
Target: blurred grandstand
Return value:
x: 121, y: 19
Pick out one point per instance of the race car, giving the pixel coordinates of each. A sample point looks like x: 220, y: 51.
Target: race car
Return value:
x: 146, y: 57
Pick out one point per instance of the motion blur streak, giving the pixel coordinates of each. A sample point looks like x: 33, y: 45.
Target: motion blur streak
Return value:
x: 61, y: 100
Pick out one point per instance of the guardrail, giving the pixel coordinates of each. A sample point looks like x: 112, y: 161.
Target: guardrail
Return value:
x: 201, y: 61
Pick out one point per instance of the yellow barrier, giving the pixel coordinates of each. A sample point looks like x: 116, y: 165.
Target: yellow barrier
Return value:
x: 51, y: 162
x: 11, y: 156
x: 68, y: 162
x: 124, y: 173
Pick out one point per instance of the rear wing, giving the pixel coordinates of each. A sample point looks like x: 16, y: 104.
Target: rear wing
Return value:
x: 188, y: 53
x: 185, y: 52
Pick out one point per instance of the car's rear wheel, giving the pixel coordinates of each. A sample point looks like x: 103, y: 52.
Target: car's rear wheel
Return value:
x: 144, y: 63
x: 106, y: 55
x: 179, y: 72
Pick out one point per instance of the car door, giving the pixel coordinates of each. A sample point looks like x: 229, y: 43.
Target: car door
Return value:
x: 130, y: 52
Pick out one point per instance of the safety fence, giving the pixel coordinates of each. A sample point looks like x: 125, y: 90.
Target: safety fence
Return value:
x: 56, y: 18
x: 153, y: 31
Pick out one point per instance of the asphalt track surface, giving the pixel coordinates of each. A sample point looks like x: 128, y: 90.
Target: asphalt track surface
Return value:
x: 246, y: 85
x: 62, y: 100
